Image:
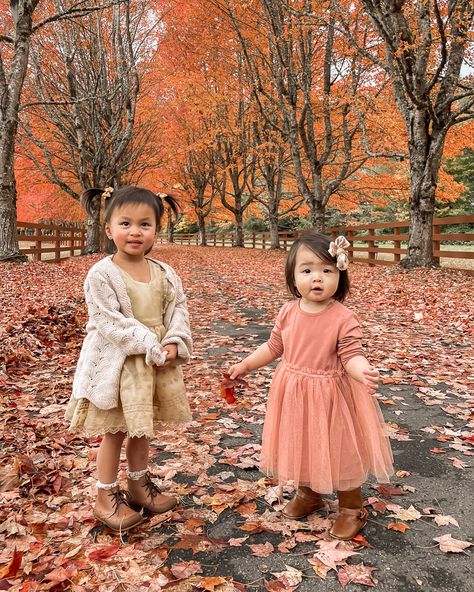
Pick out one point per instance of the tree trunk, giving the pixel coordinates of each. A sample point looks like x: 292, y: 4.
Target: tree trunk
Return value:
x: 170, y: 229
x: 202, y: 230
x: 274, y: 237
x: 420, y: 245
x: 426, y: 150
x: 10, y: 90
x: 318, y: 217
x: 239, y: 230
x: 9, y: 246
x: 93, y: 236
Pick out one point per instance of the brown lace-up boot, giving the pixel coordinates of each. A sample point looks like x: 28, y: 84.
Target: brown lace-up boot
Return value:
x: 112, y: 508
x: 305, y: 502
x: 351, y: 517
x: 143, y: 493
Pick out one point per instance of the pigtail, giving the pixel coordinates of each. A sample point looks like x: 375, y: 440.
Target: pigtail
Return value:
x: 172, y: 203
x: 90, y: 199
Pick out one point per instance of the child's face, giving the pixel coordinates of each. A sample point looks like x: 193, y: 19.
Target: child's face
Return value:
x: 133, y: 229
x: 315, y: 280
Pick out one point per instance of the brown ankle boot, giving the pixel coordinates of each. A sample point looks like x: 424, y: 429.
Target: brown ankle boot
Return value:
x: 143, y: 493
x: 305, y: 501
x: 351, y: 517
x: 112, y: 509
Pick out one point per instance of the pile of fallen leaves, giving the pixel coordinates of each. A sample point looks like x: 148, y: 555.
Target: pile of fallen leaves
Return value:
x: 227, y: 533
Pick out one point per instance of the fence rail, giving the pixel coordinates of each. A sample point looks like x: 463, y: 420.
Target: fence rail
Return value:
x: 382, y: 243
x: 50, y: 241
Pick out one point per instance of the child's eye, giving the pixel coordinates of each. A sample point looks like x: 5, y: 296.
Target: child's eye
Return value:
x: 327, y: 270
x: 306, y: 270
x: 124, y: 223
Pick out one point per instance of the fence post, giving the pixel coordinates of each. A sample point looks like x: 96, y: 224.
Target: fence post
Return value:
x: 371, y: 245
x: 350, y: 238
x: 57, y: 244
x: 37, y: 236
x: 436, y: 243
x: 72, y: 232
x: 396, y: 245
x: 253, y: 240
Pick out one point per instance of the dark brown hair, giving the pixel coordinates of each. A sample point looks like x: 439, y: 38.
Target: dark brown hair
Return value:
x: 90, y: 200
x: 319, y: 244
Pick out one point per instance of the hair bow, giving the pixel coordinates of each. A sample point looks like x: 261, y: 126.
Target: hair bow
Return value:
x: 107, y: 192
x: 338, y: 249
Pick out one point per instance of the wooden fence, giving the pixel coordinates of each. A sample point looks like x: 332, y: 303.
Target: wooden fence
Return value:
x: 383, y: 243
x: 49, y: 242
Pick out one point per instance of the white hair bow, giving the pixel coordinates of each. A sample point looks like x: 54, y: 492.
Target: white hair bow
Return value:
x: 338, y: 248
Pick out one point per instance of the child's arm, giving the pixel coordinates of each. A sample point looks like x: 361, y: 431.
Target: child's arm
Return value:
x: 359, y: 368
x: 177, y: 339
x: 260, y: 357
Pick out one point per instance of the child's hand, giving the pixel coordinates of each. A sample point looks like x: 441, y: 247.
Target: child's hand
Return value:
x: 237, y: 371
x: 172, y: 353
x: 371, y: 379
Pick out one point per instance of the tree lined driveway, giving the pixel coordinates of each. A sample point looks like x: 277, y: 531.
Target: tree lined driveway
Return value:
x: 227, y: 534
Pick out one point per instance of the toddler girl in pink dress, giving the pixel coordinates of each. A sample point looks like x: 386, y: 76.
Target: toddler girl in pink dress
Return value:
x: 323, y: 427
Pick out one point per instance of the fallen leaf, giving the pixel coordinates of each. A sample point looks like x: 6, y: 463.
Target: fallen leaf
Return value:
x: 449, y: 545
x: 398, y: 526
x: 103, y: 553
x: 10, y: 570
x: 356, y: 574
x: 445, y: 520
x: 458, y: 463
x: 263, y: 550
x: 407, y: 514
x: 291, y: 576
x: 185, y: 569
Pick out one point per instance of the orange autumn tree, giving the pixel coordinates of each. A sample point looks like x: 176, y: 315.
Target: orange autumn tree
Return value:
x: 212, y: 100
x: 421, y: 48
x: 81, y: 128
x: 21, y: 22
x: 300, y: 64
x: 243, y: 159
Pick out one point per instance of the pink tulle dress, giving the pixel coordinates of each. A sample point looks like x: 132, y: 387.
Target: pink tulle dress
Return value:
x: 322, y: 428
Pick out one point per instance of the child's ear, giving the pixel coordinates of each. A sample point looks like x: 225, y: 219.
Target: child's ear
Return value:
x: 108, y: 234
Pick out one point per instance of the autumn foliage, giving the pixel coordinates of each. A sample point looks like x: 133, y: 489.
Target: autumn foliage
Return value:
x: 198, y: 100
x: 226, y: 535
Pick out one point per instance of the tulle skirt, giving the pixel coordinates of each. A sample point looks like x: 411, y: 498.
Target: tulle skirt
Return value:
x: 324, y: 431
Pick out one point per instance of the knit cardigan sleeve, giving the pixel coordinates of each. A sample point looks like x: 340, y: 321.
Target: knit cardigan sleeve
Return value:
x: 131, y: 336
x: 178, y: 329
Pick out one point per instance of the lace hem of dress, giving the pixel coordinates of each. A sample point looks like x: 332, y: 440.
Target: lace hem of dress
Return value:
x: 165, y: 425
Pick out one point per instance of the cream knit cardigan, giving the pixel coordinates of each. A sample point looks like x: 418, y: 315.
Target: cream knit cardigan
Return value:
x: 112, y: 333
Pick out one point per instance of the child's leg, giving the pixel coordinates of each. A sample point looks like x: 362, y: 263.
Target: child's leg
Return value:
x: 351, y: 517
x: 108, y: 457
x: 306, y: 501
x: 143, y: 492
x: 111, y: 506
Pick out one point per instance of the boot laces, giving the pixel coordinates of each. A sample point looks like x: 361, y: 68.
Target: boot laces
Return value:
x: 151, y: 488
x: 118, y: 497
